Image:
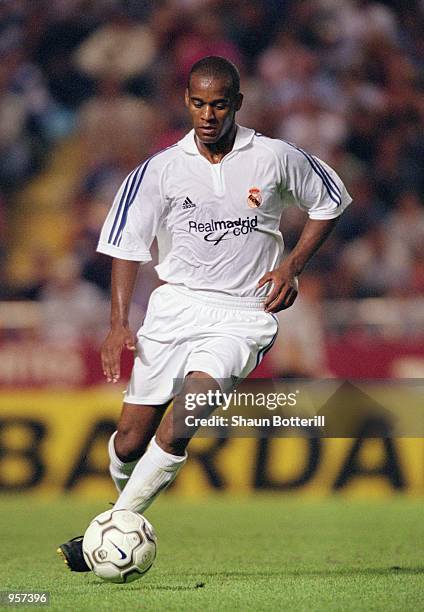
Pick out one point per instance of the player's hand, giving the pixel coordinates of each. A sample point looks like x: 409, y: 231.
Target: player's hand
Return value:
x: 285, y: 287
x: 119, y: 337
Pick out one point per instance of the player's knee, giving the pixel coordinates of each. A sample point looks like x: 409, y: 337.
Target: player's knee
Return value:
x: 170, y: 443
x: 129, y: 444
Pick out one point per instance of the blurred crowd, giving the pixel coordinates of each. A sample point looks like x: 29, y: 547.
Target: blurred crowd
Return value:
x: 341, y: 78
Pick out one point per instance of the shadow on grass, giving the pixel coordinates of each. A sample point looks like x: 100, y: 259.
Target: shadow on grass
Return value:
x: 330, y: 572
x: 142, y: 586
x: 324, y: 573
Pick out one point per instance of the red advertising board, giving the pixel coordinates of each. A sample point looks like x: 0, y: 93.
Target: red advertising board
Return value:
x: 31, y: 364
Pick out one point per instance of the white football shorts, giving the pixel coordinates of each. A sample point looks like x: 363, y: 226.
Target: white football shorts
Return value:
x: 186, y: 331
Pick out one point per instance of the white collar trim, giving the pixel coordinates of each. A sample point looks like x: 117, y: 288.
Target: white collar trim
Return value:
x: 243, y: 138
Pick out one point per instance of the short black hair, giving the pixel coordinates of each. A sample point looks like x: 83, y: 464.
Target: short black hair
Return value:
x: 218, y: 67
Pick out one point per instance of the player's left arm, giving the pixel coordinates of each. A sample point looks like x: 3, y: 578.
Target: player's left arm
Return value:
x: 318, y: 190
x: 284, y: 278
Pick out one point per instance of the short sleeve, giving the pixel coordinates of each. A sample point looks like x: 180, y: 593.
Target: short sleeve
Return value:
x: 315, y: 186
x: 135, y: 216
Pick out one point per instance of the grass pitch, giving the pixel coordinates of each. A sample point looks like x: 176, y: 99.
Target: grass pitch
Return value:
x: 259, y: 553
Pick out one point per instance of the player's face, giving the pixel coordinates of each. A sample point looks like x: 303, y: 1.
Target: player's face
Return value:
x: 211, y: 107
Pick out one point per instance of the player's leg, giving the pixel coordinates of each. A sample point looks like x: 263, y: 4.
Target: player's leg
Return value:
x: 166, y: 453
x: 223, y: 357
x: 216, y: 358
x: 173, y: 435
x: 136, y: 427
x: 159, y: 359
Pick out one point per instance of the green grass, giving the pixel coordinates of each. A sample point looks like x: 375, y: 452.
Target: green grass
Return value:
x: 259, y: 553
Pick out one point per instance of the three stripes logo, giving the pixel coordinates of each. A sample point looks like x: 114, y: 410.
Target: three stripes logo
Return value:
x: 188, y: 204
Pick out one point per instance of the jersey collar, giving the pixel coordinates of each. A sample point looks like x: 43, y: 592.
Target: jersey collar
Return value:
x: 244, y: 137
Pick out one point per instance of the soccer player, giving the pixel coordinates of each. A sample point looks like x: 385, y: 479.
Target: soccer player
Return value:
x: 219, y: 194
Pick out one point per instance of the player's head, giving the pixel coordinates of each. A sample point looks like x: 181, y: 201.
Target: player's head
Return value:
x: 213, y: 97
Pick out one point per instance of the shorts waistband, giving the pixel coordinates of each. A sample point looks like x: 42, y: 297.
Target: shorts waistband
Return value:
x: 226, y: 302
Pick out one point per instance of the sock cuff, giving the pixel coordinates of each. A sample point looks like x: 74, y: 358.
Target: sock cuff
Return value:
x: 165, y: 460
x: 112, y: 453
x: 115, y: 460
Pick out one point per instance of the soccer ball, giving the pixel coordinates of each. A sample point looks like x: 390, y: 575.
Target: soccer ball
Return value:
x: 119, y: 545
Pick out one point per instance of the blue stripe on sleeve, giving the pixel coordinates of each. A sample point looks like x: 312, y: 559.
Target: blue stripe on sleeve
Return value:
x: 135, y: 186
x: 332, y: 192
x: 332, y: 188
x: 328, y: 175
x: 320, y: 170
x: 130, y: 200
x: 124, y: 195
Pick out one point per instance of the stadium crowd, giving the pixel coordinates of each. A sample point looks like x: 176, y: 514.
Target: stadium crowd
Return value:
x: 98, y: 85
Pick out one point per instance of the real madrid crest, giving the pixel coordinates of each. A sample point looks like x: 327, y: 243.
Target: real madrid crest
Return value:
x: 254, y: 199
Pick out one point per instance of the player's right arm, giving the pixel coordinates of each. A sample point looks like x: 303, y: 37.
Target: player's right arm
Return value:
x: 127, y: 235
x: 124, y: 275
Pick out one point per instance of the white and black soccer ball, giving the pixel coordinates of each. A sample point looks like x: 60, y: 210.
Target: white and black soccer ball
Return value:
x: 119, y: 545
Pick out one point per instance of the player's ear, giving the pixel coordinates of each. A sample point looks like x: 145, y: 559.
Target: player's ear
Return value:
x: 239, y: 101
x: 187, y: 98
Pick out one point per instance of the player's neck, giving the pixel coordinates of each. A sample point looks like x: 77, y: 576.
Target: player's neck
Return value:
x: 214, y: 152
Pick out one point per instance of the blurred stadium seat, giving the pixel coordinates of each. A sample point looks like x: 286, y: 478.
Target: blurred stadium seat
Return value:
x: 340, y: 78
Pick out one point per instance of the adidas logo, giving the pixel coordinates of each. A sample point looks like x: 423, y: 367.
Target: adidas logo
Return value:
x: 188, y: 203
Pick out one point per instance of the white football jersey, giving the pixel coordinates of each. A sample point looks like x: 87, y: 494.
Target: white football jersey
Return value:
x: 222, y: 219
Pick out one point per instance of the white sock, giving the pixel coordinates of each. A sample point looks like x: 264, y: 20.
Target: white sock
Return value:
x: 119, y: 470
x: 154, y: 472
